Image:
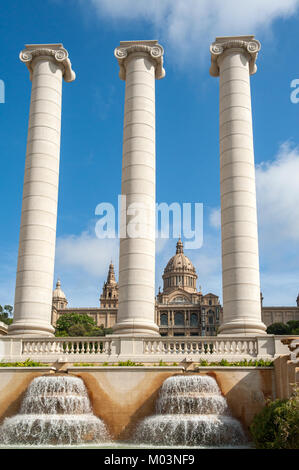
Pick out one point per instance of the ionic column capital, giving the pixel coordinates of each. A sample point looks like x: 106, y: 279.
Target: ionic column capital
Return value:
x: 55, y: 52
x: 246, y: 45
x: 151, y: 48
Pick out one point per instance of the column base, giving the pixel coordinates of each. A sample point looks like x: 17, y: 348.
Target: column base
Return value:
x: 239, y: 328
x: 136, y: 328
x: 30, y: 329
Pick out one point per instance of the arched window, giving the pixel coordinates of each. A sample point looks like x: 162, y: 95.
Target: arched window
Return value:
x: 163, y: 319
x: 179, y: 319
x: 193, y: 319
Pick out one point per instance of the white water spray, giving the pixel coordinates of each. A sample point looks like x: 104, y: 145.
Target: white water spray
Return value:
x: 191, y: 411
x: 55, y: 410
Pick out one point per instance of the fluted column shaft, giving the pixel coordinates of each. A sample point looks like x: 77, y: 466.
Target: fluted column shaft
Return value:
x: 48, y: 64
x: 233, y: 59
x: 140, y: 63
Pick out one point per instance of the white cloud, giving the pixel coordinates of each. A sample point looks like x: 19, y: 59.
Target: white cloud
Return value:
x: 278, y: 221
x: 215, y: 218
x: 82, y: 262
x: 86, y: 252
x: 277, y: 191
x: 278, y: 196
x: 188, y: 26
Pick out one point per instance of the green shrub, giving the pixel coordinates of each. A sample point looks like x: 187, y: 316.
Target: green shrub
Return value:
x: 27, y: 363
x: 204, y: 363
x: 129, y: 363
x: 244, y: 363
x: 277, y: 425
x: 161, y: 363
x: 83, y: 364
x: 290, y: 328
x: 224, y: 362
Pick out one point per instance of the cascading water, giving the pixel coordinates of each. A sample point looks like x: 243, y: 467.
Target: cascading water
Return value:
x: 192, y: 412
x: 55, y: 410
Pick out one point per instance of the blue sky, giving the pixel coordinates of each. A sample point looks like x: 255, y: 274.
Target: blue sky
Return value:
x: 186, y: 131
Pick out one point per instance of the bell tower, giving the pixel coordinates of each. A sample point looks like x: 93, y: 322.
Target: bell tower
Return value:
x: 109, y: 296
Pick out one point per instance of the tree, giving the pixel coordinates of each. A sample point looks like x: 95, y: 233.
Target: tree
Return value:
x: 6, y: 314
x: 278, y: 329
x: 293, y: 327
x: 276, y: 426
x: 289, y: 328
x: 77, y: 324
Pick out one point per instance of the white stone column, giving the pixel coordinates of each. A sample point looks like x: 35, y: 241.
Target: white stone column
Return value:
x: 48, y: 64
x: 233, y: 59
x: 141, y: 62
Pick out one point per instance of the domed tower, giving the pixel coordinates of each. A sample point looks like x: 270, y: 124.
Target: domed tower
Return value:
x: 109, y: 296
x: 59, y: 300
x: 179, y: 272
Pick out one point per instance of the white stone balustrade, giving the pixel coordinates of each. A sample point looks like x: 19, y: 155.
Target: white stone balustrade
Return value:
x: 114, y: 348
x: 204, y: 346
x: 65, y: 346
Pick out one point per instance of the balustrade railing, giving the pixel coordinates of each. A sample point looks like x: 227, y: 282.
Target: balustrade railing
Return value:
x: 202, y: 346
x: 55, y: 346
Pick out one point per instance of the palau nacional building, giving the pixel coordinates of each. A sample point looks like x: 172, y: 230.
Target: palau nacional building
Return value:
x: 180, y: 309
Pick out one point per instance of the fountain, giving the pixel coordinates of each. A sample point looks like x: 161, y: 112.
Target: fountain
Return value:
x: 191, y: 411
x: 55, y: 410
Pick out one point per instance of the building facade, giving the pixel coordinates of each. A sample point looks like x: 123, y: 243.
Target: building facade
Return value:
x: 180, y: 309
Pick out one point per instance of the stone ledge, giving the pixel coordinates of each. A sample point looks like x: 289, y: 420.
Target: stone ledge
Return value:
x: 133, y: 368
x: 233, y: 368
x: 39, y: 368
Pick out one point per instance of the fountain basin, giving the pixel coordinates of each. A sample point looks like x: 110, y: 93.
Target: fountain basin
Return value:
x: 191, y: 411
x: 190, y: 430
x: 55, y: 410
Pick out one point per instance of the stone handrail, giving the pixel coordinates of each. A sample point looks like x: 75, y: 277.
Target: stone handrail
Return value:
x: 212, y: 345
x: 75, y: 345
x: 147, y: 349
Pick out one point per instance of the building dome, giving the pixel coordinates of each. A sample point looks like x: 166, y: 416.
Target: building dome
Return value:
x: 180, y: 272
x: 59, y: 298
x: 179, y: 262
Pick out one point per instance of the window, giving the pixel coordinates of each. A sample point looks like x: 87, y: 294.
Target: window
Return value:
x: 179, y: 319
x: 193, y: 319
x: 163, y: 319
x: 179, y: 300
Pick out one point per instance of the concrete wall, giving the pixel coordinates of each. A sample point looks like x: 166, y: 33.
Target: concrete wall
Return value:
x: 286, y: 376
x: 122, y: 396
